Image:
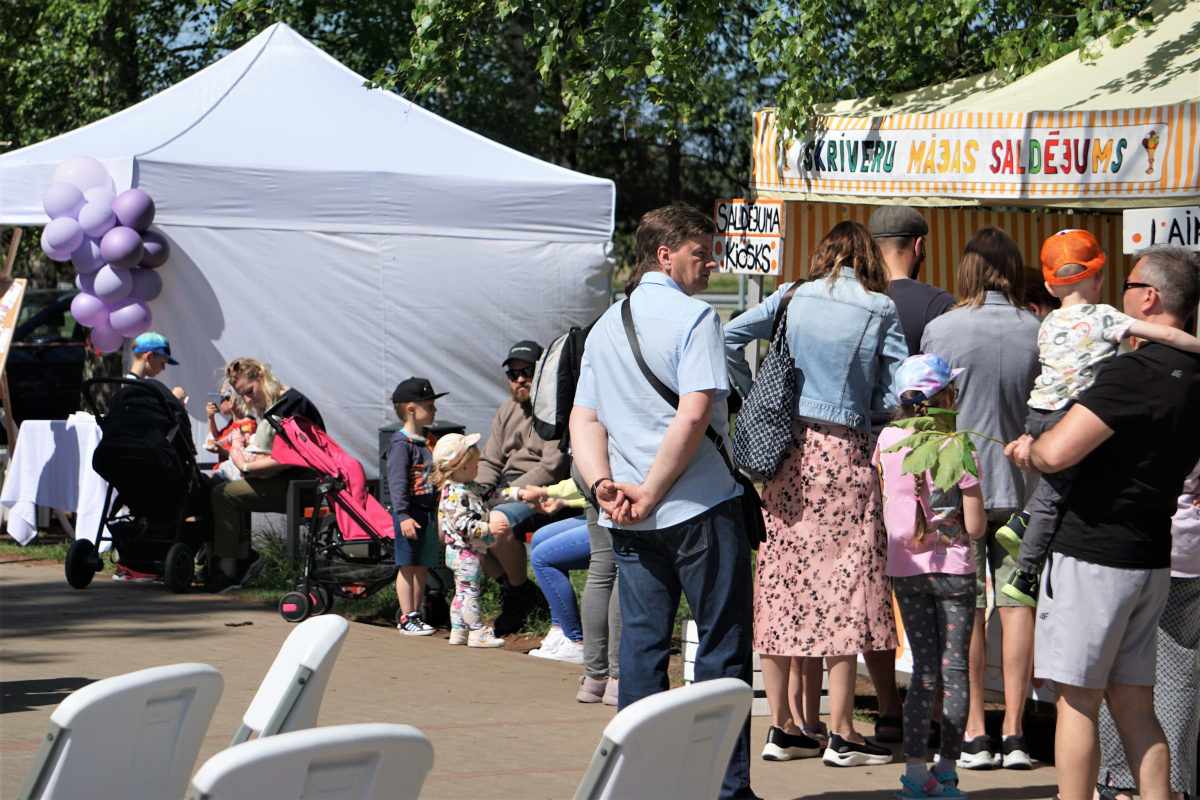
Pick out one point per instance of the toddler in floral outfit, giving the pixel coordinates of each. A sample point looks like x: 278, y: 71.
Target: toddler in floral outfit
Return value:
x: 463, y: 527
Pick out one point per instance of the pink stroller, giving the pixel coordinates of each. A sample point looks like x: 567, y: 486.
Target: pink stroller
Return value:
x: 349, y: 553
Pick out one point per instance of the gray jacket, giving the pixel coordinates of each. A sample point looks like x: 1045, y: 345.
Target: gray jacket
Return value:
x: 997, y: 344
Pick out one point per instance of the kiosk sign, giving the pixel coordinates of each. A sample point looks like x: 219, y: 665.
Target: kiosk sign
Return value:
x: 1146, y: 226
x: 749, y: 236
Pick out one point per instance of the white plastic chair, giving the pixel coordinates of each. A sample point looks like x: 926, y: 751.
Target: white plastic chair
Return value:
x: 673, y: 744
x: 289, y: 698
x: 130, y: 737
x: 345, y: 761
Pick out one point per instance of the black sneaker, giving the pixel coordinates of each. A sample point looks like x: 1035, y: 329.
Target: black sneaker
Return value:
x: 979, y: 753
x: 1022, y: 587
x: 786, y: 746
x: 220, y: 583
x: 1011, y: 533
x: 1014, y: 753
x: 842, y: 753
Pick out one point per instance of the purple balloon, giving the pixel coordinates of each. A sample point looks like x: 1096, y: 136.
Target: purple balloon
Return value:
x: 51, y: 253
x: 86, y: 257
x: 89, y: 310
x: 97, y: 218
x: 84, y: 172
x: 101, y: 194
x: 112, y: 284
x: 86, y: 282
x: 158, y: 250
x: 62, y: 235
x: 122, y: 247
x: 62, y: 200
x: 105, y: 339
x: 132, y: 318
x: 134, y: 209
x: 147, y: 284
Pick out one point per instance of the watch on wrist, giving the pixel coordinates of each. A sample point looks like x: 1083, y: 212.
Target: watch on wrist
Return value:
x: 597, y: 483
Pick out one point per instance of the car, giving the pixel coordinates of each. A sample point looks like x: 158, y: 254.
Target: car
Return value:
x: 45, y: 360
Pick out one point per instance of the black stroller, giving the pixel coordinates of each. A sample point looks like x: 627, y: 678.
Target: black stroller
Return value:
x: 148, y: 459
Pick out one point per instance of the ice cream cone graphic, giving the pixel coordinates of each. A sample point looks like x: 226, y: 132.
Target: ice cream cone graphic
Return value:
x: 1151, y: 144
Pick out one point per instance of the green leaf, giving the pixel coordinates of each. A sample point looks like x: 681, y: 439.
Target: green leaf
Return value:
x: 922, y: 457
x: 968, y: 458
x: 949, y: 467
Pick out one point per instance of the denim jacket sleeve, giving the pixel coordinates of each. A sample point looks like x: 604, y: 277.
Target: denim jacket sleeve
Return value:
x: 753, y: 325
x: 893, y: 348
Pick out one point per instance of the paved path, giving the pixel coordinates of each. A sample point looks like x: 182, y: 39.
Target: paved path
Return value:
x: 502, y: 724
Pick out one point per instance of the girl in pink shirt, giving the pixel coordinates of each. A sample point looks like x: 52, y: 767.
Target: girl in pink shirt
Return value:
x: 933, y: 576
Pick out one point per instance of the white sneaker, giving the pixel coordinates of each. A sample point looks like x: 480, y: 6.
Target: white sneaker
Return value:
x: 413, y: 625
x: 484, y: 637
x: 568, y: 652
x: 549, y: 644
x: 459, y: 635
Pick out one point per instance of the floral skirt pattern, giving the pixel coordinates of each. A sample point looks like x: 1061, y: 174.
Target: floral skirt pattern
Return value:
x: 822, y: 587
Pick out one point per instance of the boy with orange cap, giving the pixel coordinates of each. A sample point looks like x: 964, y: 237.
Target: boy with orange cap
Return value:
x: 1074, y: 341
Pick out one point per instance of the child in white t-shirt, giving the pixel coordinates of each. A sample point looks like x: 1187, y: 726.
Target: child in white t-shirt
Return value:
x: 1074, y: 342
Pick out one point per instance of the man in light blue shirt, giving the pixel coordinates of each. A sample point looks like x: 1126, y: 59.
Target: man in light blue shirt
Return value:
x: 667, y: 493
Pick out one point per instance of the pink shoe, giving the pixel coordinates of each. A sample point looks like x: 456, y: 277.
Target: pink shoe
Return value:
x: 610, y: 692
x: 591, y: 690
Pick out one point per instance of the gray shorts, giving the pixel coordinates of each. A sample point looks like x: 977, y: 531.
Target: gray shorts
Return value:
x: 1098, y: 624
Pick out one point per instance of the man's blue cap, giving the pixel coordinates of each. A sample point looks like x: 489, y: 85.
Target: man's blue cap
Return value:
x: 154, y: 343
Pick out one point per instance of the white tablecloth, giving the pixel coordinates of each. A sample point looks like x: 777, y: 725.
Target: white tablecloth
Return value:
x: 52, y: 466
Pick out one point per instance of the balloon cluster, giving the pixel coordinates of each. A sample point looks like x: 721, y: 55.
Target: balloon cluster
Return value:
x: 107, y: 237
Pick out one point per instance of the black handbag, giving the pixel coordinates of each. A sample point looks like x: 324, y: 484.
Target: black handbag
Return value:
x: 764, y: 425
x: 752, y: 516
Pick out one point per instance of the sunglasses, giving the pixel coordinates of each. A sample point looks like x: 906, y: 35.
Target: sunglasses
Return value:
x: 225, y: 397
x: 1127, y: 284
x: 523, y: 372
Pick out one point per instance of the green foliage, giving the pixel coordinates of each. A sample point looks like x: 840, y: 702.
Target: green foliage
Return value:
x: 938, y: 446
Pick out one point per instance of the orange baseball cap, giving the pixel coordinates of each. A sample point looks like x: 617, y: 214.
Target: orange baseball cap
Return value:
x: 1071, y: 247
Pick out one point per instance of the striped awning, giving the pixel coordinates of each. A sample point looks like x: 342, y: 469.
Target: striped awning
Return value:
x: 1076, y: 159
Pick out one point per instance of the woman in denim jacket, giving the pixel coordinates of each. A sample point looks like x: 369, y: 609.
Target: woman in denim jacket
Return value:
x: 821, y: 590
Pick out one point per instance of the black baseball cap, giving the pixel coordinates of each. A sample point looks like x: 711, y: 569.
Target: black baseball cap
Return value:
x: 524, y: 351
x: 415, y: 390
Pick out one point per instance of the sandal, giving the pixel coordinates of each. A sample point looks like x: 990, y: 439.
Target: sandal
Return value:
x: 913, y: 790
x: 889, y: 721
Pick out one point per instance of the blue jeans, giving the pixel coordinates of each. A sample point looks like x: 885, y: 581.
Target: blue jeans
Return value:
x: 707, y: 559
x: 559, y: 548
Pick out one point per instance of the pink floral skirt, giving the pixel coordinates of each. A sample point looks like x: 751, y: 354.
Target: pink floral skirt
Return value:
x: 822, y: 587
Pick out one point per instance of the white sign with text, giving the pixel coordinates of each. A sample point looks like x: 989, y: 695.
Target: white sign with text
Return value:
x: 1147, y: 226
x: 749, y: 236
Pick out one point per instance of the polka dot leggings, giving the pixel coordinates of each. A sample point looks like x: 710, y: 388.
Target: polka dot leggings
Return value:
x: 938, y: 612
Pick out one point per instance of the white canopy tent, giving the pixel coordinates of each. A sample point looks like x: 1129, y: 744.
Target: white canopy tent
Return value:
x: 348, y: 237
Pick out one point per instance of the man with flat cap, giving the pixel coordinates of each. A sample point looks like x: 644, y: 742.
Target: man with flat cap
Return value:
x: 515, y: 455
x: 901, y: 232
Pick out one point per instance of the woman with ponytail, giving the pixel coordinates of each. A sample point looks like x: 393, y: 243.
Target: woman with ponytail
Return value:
x: 933, y: 575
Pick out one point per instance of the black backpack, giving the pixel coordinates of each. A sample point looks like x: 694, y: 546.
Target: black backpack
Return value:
x: 554, y: 383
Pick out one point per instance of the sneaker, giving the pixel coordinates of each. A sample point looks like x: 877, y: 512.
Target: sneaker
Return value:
x: 483, y: 637
x: 413, y: 625
x: 591, y: 690
x: 783, y: 746
x: 220, y: 583
x: 979, y: 753
x: 459, y: 635
x: 1010, y: 534
x: 610, y: 692
x: 843, y: 753
x: 568, y: 652
x: 549, y: 644
x: 1014, y: 754
x: 1022, y: 587
x: 126, y: 575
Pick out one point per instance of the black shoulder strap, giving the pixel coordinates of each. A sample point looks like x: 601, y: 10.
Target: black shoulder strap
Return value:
x: 783, y: 304
x: 660, y: 387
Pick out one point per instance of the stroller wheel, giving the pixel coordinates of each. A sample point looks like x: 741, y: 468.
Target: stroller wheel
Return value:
x: 179, y: 567
x: 321, y: 600
x: 295, y: 606
x: 80, y: 567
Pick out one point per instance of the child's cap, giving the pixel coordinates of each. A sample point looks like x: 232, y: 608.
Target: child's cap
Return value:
x: 451, y: 449
x: 1071, y: 247
x: 415, y: 390
x: 927, y: 374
